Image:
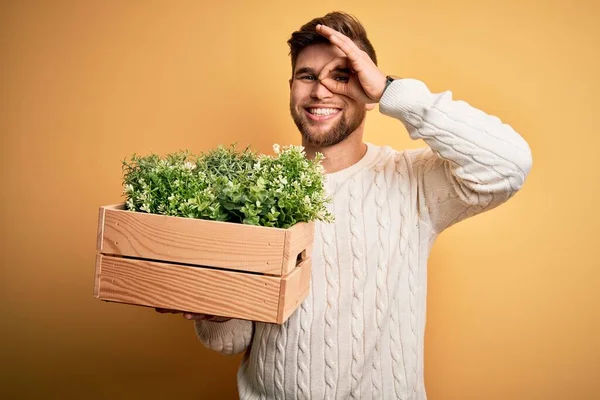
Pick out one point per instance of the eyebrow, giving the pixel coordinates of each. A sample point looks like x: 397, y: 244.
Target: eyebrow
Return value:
x: 308, y: 70
x: 343, y: 70
x: 305, y: 70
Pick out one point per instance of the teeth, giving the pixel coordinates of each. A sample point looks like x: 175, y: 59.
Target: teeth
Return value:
x: 323, y: 111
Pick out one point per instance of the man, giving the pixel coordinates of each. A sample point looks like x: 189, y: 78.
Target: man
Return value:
x: 360, y: 332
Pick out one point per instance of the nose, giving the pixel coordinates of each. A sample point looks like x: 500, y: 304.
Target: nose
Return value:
x: 319, y: 91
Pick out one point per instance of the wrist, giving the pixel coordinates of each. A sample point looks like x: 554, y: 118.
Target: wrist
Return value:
x: 388, y: 81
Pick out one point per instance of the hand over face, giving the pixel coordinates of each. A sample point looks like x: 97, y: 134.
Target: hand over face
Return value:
x: 366, y: 82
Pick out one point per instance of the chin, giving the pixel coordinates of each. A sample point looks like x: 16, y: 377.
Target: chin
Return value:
x: 324, y: 139
x: 329, y: 135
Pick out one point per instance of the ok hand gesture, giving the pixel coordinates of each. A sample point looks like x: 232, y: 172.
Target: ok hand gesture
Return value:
x: 366, y: 83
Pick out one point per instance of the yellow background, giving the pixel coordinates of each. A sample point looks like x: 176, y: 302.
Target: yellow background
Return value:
x: 513, y: 306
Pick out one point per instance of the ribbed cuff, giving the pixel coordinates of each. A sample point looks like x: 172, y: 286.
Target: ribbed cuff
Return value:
x: 230, y: 337
x: 405, y: 97
x: 210, y: 330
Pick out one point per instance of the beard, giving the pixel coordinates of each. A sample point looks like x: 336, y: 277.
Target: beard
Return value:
x: 342, y: 128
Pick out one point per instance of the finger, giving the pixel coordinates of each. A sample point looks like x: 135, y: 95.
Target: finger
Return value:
x: 336, y: 87
x: 336, y: 63
x: 195, y: 317
x: 351, y: 89
x: 166, y: 310
x: 342, y: 41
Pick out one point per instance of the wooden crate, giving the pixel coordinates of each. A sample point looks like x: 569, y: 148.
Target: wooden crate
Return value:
x: 218, y: 268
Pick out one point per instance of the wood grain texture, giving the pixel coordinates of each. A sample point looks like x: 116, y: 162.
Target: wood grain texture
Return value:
x: 294, y: 289
x: 298, y: 242
x: 202, y: 290
x: 233, y: 270
x: 97, y: 274
x: 193, y: 241
x: 100, y: 235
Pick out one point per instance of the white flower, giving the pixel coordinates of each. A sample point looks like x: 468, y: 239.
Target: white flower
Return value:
x: 276, y: 148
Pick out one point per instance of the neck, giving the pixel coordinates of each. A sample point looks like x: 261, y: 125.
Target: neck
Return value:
x: 339, y: 156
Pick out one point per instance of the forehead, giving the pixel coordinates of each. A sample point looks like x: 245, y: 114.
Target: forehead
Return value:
x: 316, y: 56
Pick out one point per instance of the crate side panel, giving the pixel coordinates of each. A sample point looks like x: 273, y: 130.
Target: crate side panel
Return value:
x: 193, y: 241
x: 299, y: 241
x: 294, y: 289
x: 194, y: 289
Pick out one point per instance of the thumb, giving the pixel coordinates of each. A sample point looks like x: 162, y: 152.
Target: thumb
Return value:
x: 350, y: 89
x: 336, y: 87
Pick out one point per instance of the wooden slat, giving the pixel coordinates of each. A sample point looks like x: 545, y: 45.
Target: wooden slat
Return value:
x: 97, y: 274
x: 294, y: 289
x: 194, y: 289
x: 100, y: 235
x: 298, y: 240
x: 193, y: 241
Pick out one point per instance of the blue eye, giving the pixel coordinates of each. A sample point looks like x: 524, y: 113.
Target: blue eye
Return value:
x: 307, y: 77
x: 342, y: 78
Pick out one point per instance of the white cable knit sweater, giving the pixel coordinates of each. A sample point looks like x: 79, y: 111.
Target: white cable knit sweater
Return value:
x: 360, y: 332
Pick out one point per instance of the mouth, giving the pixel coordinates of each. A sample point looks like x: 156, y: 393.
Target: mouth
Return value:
x: 322, y: 113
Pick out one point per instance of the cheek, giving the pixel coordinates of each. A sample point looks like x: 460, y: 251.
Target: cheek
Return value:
x: 355, y: 108
x: 298, y: 93
x: 295, y: 100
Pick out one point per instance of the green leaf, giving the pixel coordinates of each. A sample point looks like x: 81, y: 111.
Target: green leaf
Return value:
x: 225, y: 184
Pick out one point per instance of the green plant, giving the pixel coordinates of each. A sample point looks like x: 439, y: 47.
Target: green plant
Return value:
x: 229, y: 185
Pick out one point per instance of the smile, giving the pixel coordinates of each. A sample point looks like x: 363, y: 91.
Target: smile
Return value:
x: 321, y: 114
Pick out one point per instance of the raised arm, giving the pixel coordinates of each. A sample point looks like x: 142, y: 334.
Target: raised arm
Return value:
x: 474, y: 161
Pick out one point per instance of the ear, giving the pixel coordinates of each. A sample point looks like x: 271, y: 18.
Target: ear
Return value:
x: 370, y: 106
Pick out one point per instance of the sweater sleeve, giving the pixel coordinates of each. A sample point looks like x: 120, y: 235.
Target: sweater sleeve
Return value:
x: 229, y: 338
x: 473, y: 162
